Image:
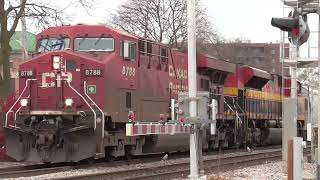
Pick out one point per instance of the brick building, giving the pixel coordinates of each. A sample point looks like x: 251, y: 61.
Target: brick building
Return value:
x: 265, y: 56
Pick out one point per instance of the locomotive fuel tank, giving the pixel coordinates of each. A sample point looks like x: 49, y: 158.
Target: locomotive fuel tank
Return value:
x: 272, y: 136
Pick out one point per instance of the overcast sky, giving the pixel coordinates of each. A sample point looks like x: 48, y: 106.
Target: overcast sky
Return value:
x: 247, y: 19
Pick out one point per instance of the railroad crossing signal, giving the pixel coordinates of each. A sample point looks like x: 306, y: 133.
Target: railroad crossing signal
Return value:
x: 91, y: 89
x: 296, y: 25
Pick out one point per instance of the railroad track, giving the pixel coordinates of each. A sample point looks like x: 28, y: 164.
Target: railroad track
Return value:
x: 32, y: 170
x: 181, y: 170
x: 163, y: 170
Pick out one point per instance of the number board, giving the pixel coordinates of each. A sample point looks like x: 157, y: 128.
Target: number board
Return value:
x: 93, y: 72
x: 25, y: 73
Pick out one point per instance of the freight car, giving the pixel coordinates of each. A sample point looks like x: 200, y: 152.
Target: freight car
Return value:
x: 76, y: 93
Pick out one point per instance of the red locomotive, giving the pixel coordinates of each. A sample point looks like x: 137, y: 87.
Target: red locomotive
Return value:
x: 76, y: 94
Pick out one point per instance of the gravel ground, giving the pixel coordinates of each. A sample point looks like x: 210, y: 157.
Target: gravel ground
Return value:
x: 267, y: 171
x: 119, y: 166
x: 13, y: 164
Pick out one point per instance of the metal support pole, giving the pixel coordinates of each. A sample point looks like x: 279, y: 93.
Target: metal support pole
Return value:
x: 201, y: 168
x: 192, y: 83
x: 297, y: 158
x: 293, y: 71
x: 290, y: 160
x: 318, y: 124
x: 290, y: 105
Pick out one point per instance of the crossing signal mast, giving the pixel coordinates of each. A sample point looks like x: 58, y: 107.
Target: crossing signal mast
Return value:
x: 296, y: 24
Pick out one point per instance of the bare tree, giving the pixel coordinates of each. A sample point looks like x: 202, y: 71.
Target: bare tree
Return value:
x: 42, y: 14
x: 163, y: 21
x: 309, y: 77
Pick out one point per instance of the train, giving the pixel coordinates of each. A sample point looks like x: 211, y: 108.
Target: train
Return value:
x: 78, y: 89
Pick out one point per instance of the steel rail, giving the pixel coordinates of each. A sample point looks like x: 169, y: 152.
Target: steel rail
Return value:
x: 180, y: 169
x: 16, y: 173
x: 212, y: 162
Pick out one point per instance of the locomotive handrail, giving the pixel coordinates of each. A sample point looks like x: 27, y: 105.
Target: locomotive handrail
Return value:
x: 240, y: 108
x: 228, y: 106
x: 10, y: 110
x: 15, y: 114
x: 94, y: 113
x: 103, y: 119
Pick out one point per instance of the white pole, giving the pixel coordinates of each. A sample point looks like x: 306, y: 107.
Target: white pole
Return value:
x: 318, y: 124
x: 213, y: 126
x: 23, y: 38
x: 173, y: 116
x: 192, y: 81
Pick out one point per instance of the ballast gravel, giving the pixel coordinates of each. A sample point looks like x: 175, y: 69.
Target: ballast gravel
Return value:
x: 266, y: 171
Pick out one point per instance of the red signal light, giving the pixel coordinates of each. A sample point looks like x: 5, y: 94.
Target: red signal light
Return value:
x: 162, y: 117
x: 131, y: 116
x: 295, y: 32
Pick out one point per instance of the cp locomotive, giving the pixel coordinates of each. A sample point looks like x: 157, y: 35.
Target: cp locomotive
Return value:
x: 75, y: 95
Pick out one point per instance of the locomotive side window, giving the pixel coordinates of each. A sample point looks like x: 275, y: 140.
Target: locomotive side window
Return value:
x: 128, y: 100
x: 71, y: 65
x: 164, y: 54
x: 94, y: 44
x: 128, y: 50
x: 142, y: 47
x: 204, y: 84
x: 149, y: 48
x: 53, y: 44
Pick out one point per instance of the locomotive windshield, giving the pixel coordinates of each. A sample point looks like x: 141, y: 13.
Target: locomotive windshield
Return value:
x: 53, y: 44
x: 94, y: 44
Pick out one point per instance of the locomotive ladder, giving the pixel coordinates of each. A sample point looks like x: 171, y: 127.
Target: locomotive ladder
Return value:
x: 98, y: 119
x: 238, y: 119
x: 98, y: 124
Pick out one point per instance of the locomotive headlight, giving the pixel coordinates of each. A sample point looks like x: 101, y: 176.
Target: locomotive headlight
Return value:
x: 56, y: 62
x: 24, y: 102
x: 68, y: 102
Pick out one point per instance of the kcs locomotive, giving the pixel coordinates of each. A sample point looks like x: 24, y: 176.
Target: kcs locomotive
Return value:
x: 76, y: 92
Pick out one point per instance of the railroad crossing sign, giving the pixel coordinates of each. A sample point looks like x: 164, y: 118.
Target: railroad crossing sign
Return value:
x: 91, y: 89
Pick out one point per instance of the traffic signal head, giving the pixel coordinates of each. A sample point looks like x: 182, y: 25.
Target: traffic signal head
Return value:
x: 285, y: 24
x: 296, y: 26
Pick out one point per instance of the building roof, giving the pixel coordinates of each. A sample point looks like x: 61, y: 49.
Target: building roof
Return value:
x: 15, y: 42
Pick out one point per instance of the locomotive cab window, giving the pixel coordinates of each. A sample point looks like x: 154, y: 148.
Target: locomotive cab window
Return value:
x: 53, y: 44
x: 94, y: 44
x: 128, y: 50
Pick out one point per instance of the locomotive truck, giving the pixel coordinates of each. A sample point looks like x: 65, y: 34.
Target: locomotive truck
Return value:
x: 77, y: 91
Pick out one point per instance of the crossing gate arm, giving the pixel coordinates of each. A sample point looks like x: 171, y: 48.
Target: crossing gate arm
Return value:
x: 138, y: 129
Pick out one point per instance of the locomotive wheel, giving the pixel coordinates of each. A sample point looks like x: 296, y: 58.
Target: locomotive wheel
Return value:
x: 109, y: 158
x: 129, y: 157
x: 90, y: 161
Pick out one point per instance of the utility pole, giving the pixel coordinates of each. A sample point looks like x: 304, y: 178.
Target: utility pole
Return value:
x: 195, y: 146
